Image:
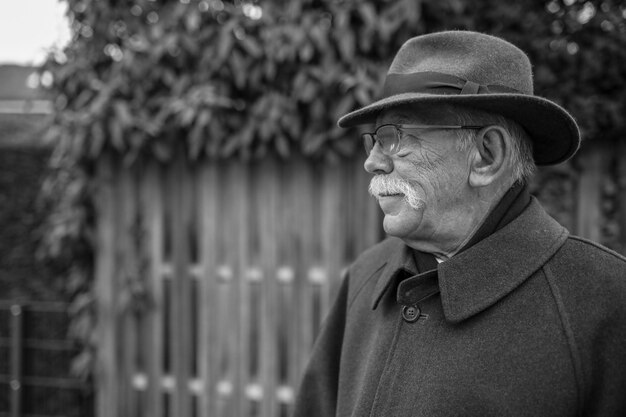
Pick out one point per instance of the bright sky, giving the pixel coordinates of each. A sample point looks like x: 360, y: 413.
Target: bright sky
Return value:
x: 29, y: 28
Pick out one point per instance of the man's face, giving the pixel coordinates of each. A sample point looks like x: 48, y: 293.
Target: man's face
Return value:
x: 421, y: 189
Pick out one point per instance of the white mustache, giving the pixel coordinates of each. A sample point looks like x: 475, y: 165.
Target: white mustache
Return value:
x: 382, y: 185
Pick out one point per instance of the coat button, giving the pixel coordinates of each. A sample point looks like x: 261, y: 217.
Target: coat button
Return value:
x: 410, y: 314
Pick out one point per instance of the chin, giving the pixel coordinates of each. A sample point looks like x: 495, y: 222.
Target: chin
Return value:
x: 403, y: 224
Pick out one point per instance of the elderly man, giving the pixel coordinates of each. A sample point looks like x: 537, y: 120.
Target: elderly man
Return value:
x: 479, y: 304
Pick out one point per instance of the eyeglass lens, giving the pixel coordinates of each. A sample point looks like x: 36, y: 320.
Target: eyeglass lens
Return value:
x: 386, y: 136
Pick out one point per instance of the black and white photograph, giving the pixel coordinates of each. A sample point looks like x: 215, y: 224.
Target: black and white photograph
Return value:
x: 312, y: 208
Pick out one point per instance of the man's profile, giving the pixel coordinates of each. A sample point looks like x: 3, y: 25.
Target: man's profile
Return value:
x: 478, y: 303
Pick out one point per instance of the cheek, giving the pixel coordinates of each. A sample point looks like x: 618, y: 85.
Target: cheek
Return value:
x: 438, y: 183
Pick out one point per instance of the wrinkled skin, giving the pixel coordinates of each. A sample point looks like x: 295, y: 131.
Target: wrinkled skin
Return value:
x: 437, y: 170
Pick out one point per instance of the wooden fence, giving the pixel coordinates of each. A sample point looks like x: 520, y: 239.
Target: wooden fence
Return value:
x: 213, y: 279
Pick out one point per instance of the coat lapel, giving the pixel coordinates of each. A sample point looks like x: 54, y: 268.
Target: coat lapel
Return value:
x: 482, y: 274
x: 401, y: 264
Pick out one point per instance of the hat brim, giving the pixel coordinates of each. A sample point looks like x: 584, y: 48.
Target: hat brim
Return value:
x: 554, y: 132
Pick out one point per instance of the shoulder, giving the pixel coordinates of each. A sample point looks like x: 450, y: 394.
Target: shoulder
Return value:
x: 588, y: 247
x: 590, y: 275
x: 583, y: 257
x: 589, y: 284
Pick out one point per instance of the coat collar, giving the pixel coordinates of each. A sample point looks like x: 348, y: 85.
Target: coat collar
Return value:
x: 483, y: 274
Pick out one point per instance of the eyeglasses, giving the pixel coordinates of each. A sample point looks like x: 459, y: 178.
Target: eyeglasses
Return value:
x: 392, y: 138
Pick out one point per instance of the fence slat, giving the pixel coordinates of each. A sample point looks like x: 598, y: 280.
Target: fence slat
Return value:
x: 241, y: 298
x: 589, y: 213
x: 368, y: 223
x: 153, y: 201
x: 229, y: 385
x: 304, y: 198
x: 287, y: 266
x: 106, y: 376
x: 267, y: 208
x: 209, y: 350
x: 180, y: 289
x: 128, y: 275
x: 335, y: 221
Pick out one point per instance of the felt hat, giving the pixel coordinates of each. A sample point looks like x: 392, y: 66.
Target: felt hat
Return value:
x: 477, y: 71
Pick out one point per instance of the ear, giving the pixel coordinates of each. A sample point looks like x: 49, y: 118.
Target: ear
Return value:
x: 489, y: 156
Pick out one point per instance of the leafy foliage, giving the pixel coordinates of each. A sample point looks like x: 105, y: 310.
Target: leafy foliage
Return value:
x: 244, y: 78
x: 148, y: 78
x: 21, y: 277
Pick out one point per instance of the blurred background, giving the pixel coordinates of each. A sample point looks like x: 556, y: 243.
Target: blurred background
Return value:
x: 177, y: 204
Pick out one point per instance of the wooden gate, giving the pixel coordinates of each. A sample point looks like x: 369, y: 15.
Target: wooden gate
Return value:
x: 213, y: 279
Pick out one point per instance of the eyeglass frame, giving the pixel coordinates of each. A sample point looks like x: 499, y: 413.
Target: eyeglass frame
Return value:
x: 371, y: 138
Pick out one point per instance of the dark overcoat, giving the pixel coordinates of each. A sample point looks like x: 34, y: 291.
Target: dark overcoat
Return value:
x: 530, y: 321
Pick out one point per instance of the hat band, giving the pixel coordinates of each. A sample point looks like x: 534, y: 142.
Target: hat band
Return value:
x: 438, y: 83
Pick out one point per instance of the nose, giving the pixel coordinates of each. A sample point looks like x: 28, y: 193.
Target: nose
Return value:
x: 377, y: 162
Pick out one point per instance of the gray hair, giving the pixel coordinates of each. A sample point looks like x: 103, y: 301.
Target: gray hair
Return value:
x: 522, y: 150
